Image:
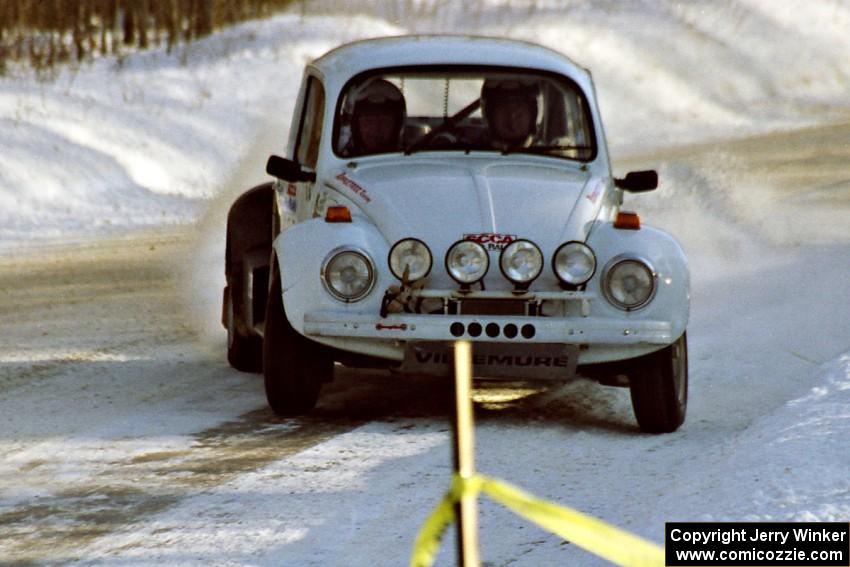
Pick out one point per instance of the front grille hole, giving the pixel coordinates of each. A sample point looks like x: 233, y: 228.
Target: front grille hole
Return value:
x: 456, y: 329
x: 492, y: 330
x: 474, y: 329
x: 510, y: 331
x: 528, y: 331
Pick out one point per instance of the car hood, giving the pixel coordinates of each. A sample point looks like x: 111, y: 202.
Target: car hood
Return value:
x: 441, y: 202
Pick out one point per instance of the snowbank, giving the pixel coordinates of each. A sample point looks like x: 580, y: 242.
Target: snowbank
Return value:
x: 148, y: 139
x: 788, y: 466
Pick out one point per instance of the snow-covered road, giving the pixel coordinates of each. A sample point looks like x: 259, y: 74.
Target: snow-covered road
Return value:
x: 113, y: 410
x: 127, y: 439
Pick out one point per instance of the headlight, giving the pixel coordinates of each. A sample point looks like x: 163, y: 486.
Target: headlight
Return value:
x: 348, y: 274
x: 410, y: 255
x: 521, y: 262
x: 467, y: 262
x: 574, y: 263
x: 629, y: 283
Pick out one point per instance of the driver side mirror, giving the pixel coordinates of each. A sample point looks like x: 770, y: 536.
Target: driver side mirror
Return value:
x: 288, y: 170
x: 638, y: 181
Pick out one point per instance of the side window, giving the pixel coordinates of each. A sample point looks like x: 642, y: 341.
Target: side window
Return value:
x: 307, y: 146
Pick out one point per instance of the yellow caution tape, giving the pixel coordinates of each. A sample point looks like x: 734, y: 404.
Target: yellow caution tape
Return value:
x: 587, y: 532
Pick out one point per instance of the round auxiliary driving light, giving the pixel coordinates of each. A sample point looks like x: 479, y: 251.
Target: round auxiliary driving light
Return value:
x: 348, y: 274
x: 521, y: 262
x: 629, y: 283
x: 574, y: 263
x: 467, y: 262
x: 410, y: 259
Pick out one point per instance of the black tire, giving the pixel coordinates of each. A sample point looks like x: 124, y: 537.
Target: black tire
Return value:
x: 659, y: 387
x: 294, y: 367
x: 243, y: 353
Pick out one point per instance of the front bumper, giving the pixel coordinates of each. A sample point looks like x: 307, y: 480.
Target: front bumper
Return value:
x: 411, y: 327
x: 598, y: 334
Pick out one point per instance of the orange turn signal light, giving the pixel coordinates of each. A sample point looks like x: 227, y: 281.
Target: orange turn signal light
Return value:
x: 627, y: 221
x: 337, y: 213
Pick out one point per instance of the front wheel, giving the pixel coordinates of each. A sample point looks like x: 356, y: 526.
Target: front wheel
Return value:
x: 659, y: 387
x: 294, y: 367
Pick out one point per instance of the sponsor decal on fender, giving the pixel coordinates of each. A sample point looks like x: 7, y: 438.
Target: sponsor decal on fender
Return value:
x: 593, y: 196
x: 354, y: 186
x: 490, y: 240
x: 290, y: 202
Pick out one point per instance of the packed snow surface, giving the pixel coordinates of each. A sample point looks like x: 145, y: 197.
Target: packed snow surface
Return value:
x: 740, y: 104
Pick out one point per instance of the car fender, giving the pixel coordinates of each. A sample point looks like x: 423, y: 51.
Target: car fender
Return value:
x: 301, y: 252
x: 248, y: 246
x: 663, y: 253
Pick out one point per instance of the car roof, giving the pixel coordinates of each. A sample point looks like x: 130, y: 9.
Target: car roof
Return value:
x: 402, y: 51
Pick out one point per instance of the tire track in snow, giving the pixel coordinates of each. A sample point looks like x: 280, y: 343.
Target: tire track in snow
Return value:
x: 140, y: 484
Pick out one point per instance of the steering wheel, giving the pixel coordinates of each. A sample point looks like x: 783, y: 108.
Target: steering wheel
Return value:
x: 445, y: 129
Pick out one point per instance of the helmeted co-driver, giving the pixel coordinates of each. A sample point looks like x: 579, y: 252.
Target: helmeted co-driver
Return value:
x: 510, y: 109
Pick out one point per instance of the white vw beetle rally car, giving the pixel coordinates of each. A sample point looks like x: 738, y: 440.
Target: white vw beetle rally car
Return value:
x: 438, y: 188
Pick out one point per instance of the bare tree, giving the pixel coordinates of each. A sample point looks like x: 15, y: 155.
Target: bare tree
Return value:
x: 45, y: 32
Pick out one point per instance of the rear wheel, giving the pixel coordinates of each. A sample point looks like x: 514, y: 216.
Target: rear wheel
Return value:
x: 294, y: 367
x: 243, y: 353
x: 659, y: 387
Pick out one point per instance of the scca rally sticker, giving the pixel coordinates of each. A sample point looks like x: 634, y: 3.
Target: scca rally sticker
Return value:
x: 490, y: 240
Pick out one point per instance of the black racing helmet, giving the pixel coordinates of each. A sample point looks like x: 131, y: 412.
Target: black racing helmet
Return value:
x: 383, y: 100
x: 499, y: 100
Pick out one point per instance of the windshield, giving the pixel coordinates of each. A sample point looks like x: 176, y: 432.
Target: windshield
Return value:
x: 499, y: 110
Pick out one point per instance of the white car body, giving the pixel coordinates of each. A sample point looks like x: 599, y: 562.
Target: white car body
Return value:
x: 441, y: 197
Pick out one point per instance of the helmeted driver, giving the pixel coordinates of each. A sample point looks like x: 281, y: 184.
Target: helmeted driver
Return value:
x: 510, y: 108
x: 377, y: 118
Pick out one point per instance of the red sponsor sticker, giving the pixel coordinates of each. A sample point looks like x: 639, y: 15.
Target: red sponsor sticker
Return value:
x: 593, y: 196
x: 491, y: 240
x: 354, y: 186
x: 291, y: 189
